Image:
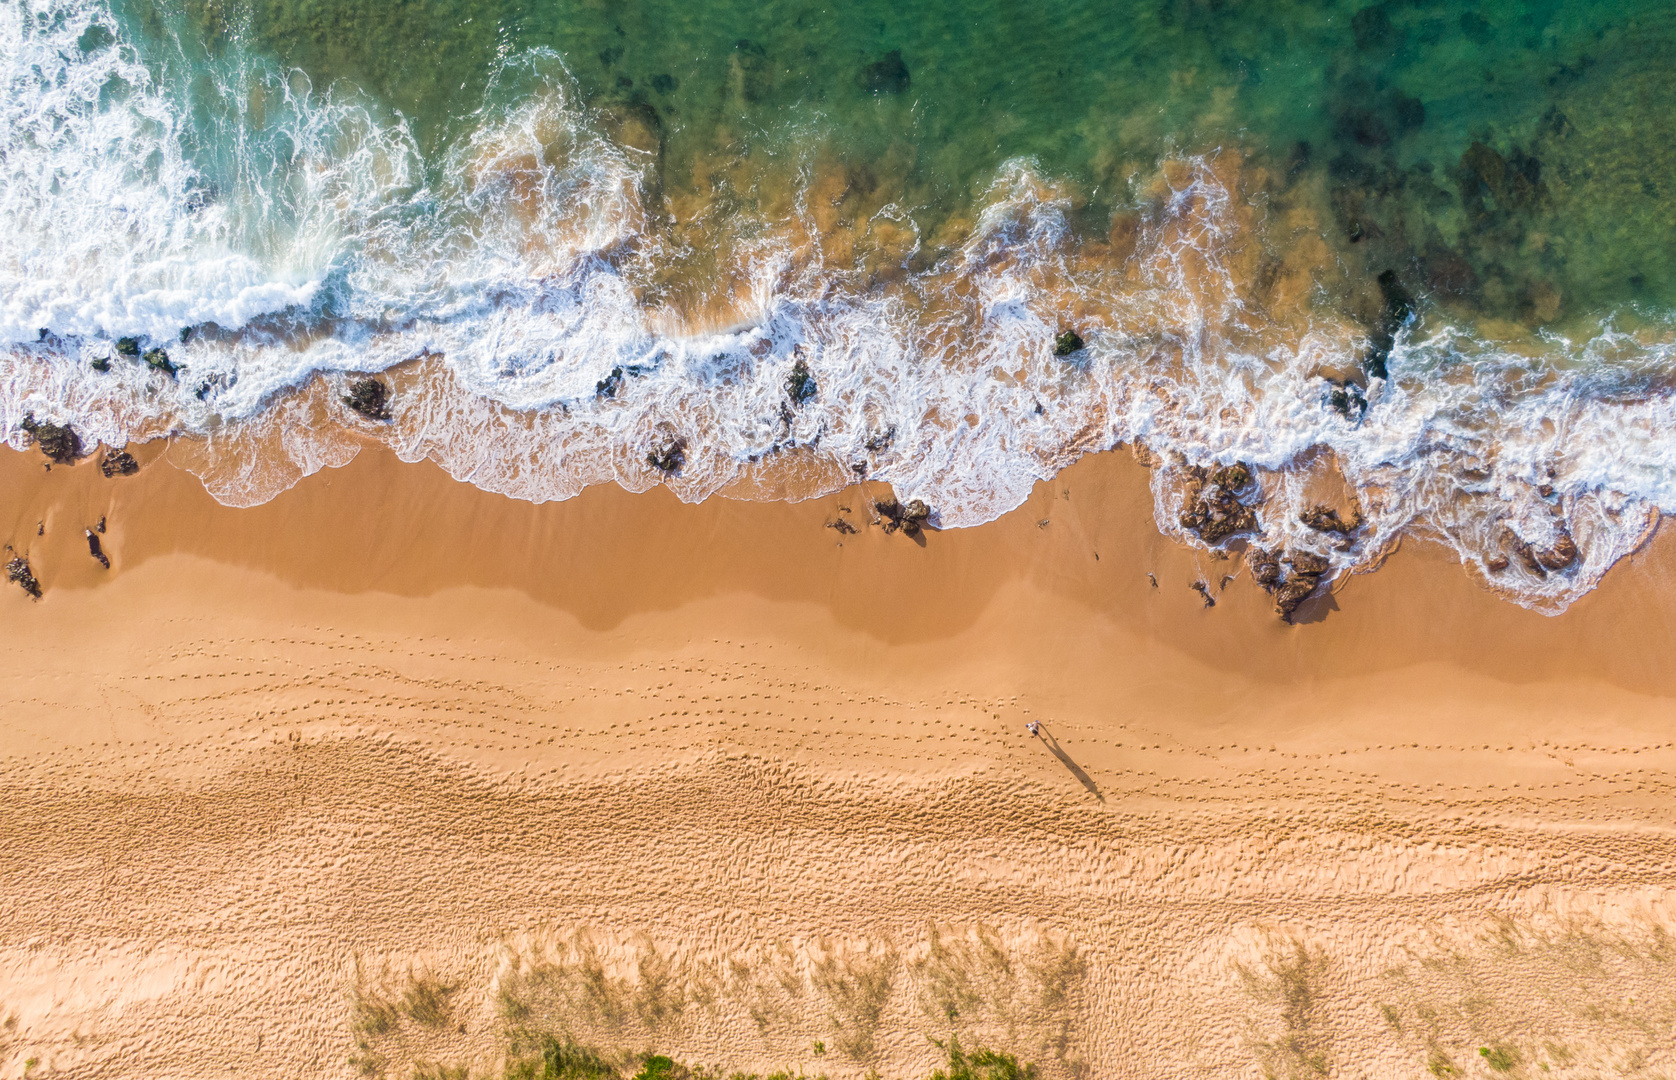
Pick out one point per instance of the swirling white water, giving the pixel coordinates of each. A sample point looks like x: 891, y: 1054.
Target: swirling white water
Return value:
x: 273, y: 236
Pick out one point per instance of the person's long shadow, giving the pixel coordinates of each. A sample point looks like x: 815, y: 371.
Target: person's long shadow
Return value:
x: 1076, y: 770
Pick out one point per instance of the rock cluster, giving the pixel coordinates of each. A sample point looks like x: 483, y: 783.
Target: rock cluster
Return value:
x: 1213, y: 506
x: 369, y: 397
x: 1068, y: 342
x: 1323, y: 518
x: 57, y: 441
x: 18, y: 573
x: 608, y: 386
x: 158, y: 360
x: 910, y: 518
x: 118, y: 463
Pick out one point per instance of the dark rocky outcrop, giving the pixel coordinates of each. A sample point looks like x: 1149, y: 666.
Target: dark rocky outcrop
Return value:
x: 129, y: 347
x: 1562, y: 554
x: 158, y: 360
x: 95, y: 549
x: 608, y: 386
x: 1323, y: 518
x: 800, y: 384
x: 886, y: 75
x: 1067, y: 343
x: 19, y: 574
x: 369, y: 397
x: 669, y: 457
x: 1204, y: 590
x: 58, y: 442
x: 1348, y: 400
x: 118, y: 463
x: 1265, y: 567
x: 100, y: 363
x: 910, y: 518
x: 1398, y: 310
x: 1308, y: 570
x: 1213, y: 508
x: 842, y: 525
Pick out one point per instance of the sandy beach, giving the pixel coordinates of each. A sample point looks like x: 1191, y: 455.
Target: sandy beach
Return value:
x: 384, y: 774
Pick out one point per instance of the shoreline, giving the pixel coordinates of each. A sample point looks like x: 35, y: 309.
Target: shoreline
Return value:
x: 388, y: 722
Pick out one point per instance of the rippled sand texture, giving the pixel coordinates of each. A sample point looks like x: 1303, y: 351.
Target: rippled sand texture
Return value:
x: 389, y: 772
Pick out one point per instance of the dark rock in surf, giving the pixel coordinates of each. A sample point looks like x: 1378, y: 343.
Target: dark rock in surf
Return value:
x: 118, y: 463
x: 95, y: 549
x: 1323, y: 518
x: 1496, y: 564
x: 669, y: 457
x: 1562, y: 554
x: 1349, y: 401
x: 1067, y: 343
x: 608, y: 386
x: 369, y: 397
x: 100, y: 363
x: 1212, y: 506
x: 800, y: 384
x: 1204, y: 590
x: 58, y: 442
x: 129, y: 347
x: 158, y: 360
x: 1397, y: 313
x: 19, y: 574
x: 887, y: 75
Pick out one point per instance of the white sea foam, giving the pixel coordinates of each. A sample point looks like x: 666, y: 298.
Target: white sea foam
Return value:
x: 323, y: 242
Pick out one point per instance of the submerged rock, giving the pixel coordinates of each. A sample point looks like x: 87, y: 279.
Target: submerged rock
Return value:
x: 19, y: 574
x: 608, y: 386
x: 95, y: 549
x: 58, y: 442
x: 1067, y: 343
x: 118, y: 463
x: 100, y: 363
x: 369, y: 397
x: 669, y: 457
x: 887, y: 75
x: 800, y: 384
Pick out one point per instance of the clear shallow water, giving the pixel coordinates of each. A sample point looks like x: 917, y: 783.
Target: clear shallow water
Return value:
x: 1457, y: 216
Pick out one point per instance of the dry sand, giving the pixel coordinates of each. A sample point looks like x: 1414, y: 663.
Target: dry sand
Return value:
x: 370, y: 776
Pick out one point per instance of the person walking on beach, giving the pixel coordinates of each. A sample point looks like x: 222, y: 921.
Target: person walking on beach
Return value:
x: 1034, y: 727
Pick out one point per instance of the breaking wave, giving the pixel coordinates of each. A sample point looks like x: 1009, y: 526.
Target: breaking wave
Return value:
x: 549, y: 318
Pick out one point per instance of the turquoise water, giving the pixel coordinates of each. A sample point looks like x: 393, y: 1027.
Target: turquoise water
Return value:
x: 1420, y: 248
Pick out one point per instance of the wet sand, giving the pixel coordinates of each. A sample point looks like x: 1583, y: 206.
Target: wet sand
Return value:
x: 388, y: 723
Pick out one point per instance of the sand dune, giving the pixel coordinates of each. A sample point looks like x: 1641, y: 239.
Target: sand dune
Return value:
x: 389, y: 773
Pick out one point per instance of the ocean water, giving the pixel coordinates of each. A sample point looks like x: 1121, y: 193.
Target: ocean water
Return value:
x: 1413, y: 261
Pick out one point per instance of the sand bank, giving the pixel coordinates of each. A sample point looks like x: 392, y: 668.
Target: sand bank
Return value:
x: 768, y: 784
